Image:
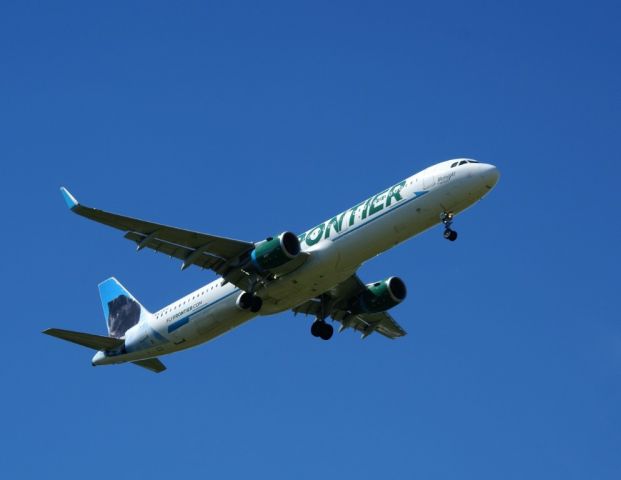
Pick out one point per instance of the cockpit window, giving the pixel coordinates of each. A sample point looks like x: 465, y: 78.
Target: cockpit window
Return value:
x: 472, y: 161
x: 454, y: 164
x: 463, y: 162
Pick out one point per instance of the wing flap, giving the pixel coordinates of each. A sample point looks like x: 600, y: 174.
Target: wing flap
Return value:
x: 382, y: 323
x: 190, y: 256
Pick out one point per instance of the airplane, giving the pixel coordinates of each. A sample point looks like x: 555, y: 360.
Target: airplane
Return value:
x: 313, y: 273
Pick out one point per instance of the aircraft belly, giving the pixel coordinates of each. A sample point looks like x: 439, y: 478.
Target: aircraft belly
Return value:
x: 201, y: 326
x: 320, y: 273
x: 314, y: 287
x: 220, y: 319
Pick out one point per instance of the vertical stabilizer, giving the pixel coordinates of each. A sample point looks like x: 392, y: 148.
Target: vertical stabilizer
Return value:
x: 121, y: 310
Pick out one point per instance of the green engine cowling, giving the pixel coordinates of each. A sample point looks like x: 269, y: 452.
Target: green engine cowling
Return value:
x: 380, y: 296
x: 275, y: 252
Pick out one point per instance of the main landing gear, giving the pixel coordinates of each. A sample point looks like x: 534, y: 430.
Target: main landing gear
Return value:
x: 256, y: 303
x: 321, y: 329
x: 447, y: 220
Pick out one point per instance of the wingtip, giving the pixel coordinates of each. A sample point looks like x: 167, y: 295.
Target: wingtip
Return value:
x: 70, y: 200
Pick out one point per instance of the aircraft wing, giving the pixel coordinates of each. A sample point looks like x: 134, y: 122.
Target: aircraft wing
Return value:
x: 219, y: 254
x: 337, y: 300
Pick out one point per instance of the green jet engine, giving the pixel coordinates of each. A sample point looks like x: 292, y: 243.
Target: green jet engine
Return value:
x: 380, y: 296
x: 275, y: 252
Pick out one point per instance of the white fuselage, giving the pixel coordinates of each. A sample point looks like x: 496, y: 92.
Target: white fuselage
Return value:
x: 338, y: 247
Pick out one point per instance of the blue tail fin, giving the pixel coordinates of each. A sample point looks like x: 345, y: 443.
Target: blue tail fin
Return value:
x: 121, y: 309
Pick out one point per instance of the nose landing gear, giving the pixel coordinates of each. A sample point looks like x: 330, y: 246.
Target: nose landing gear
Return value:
x: 447, y: 220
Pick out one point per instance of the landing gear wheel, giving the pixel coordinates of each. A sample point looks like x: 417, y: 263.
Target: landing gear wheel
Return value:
x: 316, y: 328
x: 447, y: 219
x: 326, y: 331
x: 450, y: 235
x: 321, y: 329
x: 256, y: 304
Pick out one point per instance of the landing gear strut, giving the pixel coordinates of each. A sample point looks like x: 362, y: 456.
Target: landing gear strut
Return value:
x: 447, y: 220
x: 320, y: 328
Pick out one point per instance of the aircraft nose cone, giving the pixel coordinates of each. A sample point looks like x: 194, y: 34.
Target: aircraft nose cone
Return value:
x: 490, y: 175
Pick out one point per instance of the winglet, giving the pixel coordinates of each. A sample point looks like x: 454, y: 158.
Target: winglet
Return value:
x: 69, y: 199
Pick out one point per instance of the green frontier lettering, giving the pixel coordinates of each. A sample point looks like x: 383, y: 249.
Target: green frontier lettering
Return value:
x: 395, y: 192
x: 365, y: 210
x: 314, y: 235
x: 369, y: 207
x: 336, y: 222
x: 377, y: 203
x: 352, y: 216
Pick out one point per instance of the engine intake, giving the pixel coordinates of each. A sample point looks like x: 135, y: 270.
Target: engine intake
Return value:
x: 248, y: 301
x: 275, y: 252
x: 380, y: 296
x: 244, y: 301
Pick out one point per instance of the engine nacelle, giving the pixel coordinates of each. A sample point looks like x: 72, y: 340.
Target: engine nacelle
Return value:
x: 380, y: 296
x: 248, y: 301
x: 275, y: 252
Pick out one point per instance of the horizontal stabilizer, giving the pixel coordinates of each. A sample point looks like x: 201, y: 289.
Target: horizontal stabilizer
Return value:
x: 96, y: 342
x: 152, y: 364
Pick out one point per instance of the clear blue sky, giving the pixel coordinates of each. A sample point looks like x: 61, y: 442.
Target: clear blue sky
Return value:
x: 245, y: 119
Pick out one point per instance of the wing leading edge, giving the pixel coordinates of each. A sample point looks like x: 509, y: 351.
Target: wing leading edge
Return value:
x: 220, y: 254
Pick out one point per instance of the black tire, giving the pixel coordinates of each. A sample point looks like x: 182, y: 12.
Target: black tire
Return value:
x: 256, y: 304
x: 316, y: 329
x: 450, y: 234
x: 326, y: 331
